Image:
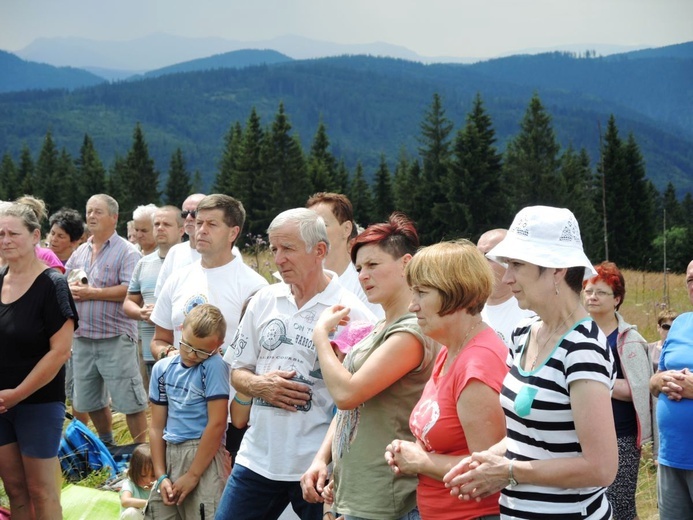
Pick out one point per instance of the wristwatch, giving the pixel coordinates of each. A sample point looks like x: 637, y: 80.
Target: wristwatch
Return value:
x: 511, y: 478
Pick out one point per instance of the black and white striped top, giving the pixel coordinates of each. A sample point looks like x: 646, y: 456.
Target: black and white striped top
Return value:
x: 540, y: 424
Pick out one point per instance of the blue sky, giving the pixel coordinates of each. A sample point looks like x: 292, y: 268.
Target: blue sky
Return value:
x: 471, y: 28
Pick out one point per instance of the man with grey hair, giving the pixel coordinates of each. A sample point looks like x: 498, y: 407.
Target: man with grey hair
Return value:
x: 143, y: 218
x: 104, y: 351
x: 139, y: 302
x: 501, y: 311
x: 273, y: 359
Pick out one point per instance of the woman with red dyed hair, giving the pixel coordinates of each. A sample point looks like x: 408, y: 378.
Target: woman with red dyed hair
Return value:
x: 378, y: 385
x: 630, y: 400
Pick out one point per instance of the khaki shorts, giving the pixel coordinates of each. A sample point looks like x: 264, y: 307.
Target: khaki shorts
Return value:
x: 179, y: 458
x: 104, y: 367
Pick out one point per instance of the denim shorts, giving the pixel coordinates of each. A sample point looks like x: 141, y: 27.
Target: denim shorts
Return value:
x: 36, y: 428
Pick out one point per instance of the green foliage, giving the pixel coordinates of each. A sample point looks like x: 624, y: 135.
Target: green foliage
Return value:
x: 457, y: 185
x: 91, y: 174
x: 178, y: 185
x: 361, y: 198
x: 370, y: 106
x: 679, y: 250
x: 532, y: 161
x: 383, y: 203
x: 322, y: 166
x: 434, y: 150
x: 47, y: 185
x: 8, y: 178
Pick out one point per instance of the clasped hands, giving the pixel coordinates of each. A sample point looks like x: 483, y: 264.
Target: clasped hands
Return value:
x: 473, y: 478
x: 677, y: 384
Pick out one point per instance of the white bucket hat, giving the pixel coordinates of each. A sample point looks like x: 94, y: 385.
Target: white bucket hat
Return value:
x: 544, y: 236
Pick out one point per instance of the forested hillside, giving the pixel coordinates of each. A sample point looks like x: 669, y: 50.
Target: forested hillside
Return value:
x: 17, y: 74
x: 371, y: 106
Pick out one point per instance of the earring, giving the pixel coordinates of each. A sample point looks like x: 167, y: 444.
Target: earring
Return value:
x: 556, y: 287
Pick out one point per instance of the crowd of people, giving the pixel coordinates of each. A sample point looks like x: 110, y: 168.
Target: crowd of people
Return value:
x: 376, y: 379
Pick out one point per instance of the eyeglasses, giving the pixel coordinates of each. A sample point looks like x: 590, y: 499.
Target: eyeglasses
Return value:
x: 598, y: 294
x: 185, y: 213
x: 665, y: 326
x: 190, y: 349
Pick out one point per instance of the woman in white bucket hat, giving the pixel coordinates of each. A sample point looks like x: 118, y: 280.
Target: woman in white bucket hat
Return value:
x: 560, y: 450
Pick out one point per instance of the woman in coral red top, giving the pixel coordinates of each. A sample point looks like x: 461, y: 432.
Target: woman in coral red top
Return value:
x: 459, y: 411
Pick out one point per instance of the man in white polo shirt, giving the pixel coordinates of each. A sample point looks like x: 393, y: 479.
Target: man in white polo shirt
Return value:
x: 273, y: 359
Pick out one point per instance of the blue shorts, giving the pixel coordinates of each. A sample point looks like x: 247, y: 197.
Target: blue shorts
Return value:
x: 36, y: 428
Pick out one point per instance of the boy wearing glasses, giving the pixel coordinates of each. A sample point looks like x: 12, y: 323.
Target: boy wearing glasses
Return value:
x: 189, y: 394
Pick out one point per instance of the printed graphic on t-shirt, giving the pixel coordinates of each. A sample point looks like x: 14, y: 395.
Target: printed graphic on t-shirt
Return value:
x: 274, y: 334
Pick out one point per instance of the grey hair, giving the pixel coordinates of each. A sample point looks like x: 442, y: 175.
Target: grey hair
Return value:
x: 23, y: 212
x: 311, y: 226
x: 142, y: 212
x: 110, y: 202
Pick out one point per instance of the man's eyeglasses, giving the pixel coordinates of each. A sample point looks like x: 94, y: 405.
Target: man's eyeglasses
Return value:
x: 598, y: 294
x: 185, y: 213
x: 190, y: 349
x: 665, y: 326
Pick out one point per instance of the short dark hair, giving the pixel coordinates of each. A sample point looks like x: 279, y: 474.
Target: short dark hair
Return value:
x: 70, y: 221
x: 233, y: 210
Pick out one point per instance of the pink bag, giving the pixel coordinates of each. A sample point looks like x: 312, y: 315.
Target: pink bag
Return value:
x: 4, y: 514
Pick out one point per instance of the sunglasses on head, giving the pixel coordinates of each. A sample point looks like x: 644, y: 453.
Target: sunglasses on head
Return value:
x: 665, y: 326
x: 185, y: 213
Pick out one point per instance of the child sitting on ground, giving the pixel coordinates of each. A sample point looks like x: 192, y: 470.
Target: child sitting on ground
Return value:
x: 189, y: 394
x: 136, y: 487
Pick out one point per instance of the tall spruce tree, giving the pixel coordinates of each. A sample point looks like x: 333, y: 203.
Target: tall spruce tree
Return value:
x: 47, y: 183
x: 178, y: 185
x: 322, y: 165
x: 361, y: 198
x: 476, y: 201
x: 671, y: 207
x: 383, y: 203
x: 405, y: 185
x: 68, y: 195
x: 341, y: 177
x: 116, y: 185
x: 611, y: 176
x: 25, y: 173
x: 642, y: 201
x: 229, y: 157
x: 8, y: 178
x: 143, y: 178
x: 91, y: 174
x: 580, y: 196
x: 531, y: 162
x: 248, y: 167
x: 286, y: 168
x: 435, y: 154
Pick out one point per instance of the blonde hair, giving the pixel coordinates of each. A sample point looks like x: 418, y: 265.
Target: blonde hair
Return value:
x: 458, y: 270
x: 206, y: 320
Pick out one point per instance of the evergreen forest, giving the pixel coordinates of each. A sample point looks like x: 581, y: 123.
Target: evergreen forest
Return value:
x: 456, y: 183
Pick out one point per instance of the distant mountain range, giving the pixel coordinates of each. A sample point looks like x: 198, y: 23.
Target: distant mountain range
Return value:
x: 370, y: 105
x: 117, y: 59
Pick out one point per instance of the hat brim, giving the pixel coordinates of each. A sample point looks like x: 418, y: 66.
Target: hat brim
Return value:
x: 540, y: 253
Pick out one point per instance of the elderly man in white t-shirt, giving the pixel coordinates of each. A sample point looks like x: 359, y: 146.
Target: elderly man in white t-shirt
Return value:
x: 273, y: 359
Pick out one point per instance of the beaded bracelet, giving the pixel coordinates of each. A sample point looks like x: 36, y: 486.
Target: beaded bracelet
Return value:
x: 241, y: 402
x: 159, y: 481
